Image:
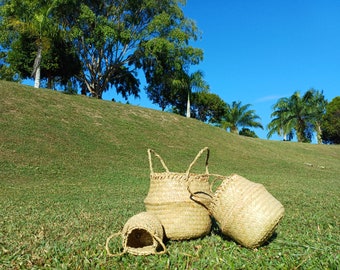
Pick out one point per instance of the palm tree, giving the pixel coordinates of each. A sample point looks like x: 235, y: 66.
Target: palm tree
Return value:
x: 291, y: 114
x: 196, y: 84
x: 238, y: 116
x: 36, y: 22
x: 317, y: 108
x: 278, y: 124
x: 299, y: 113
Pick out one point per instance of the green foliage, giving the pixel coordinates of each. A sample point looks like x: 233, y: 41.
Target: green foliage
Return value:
x: 74, y: 170
x: 59, y: 63
x: 248, y: 133
x: 114, y: 41
x: 208, y: 107
x: 301, y: 114
x: 6, y: 71
x: 238, y: 115
x: 167, y: 58
x: 185, y: 87
x: 33, y: 33
x: 331, y: 122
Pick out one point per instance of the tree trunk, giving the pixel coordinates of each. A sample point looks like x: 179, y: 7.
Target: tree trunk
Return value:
x: 234, y: 129
x: 36, y: 68
x: 49, y: 82
x: 188, y: 105
x: 318, y: 133
x: 37, y: 78
x: 300, y: 129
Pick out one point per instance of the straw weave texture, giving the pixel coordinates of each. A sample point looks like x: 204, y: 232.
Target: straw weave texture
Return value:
x: 169, y: 199
x: 142, y: 234
x: 245, y: 211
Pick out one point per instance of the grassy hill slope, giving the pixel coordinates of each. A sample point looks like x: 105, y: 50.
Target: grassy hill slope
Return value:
x: 74, y: 169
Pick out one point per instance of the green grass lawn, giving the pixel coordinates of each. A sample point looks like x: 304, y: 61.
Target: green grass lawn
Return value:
x: 73, y: 170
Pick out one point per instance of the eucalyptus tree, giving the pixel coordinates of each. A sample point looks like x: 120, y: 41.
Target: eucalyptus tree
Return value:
x: 238, y: 115
x: 115, y: 39
x: 167, y: 57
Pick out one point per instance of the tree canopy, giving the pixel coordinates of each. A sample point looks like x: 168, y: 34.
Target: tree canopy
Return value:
x: 331, y: 122
x: 298, y: 114
x: 29, y: 30
x: 208, y: 107
x: 238, y: 115
x: 112, y: 41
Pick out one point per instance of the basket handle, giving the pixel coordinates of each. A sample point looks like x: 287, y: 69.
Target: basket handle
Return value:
x: 160, y: 241
x: 199, y: 196
x: 192, y: 195
x: 196, y: 158
x: 107, y: 245
x: 124, y: 251
x: 150, y: 151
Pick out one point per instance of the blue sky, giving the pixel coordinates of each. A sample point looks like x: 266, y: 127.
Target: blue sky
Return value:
x: 258, y: 51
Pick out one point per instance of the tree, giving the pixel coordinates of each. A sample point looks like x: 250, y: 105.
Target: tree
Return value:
x: 114, y: 40
x: 331, y: 122
x: 317, y: 108
x: 197, y: 84
x: 59, y: 63
x: 248, y: 133
x: 279, y: 124
x: 7, y: 72
x: 33, y: 19
x: 166, y: 60
x: 301, y: 114
x: 166, y: 85
x: 208, y: 107
x: 184, y: 86
x: 238, y: 115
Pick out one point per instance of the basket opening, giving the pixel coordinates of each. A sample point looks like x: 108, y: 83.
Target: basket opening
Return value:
x: 139, y: 238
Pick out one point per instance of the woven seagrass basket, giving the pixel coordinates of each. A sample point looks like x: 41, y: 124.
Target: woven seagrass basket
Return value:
x: 245, y: 211
x: 142, y: 234
x: 169, y: 199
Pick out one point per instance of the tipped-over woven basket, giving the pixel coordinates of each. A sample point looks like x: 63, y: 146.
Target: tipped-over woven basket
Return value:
x: 142, y: 234
x: 169, y: 199
x: 245, y: 211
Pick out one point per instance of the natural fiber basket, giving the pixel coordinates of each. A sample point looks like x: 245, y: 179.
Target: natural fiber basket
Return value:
x: 169, y: 199
x: 245, y: 211
x: 142, y: 234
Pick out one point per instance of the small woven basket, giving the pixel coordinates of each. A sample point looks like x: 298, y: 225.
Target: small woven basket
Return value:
x: 142, y: 234
x: 169, y: 199
x: 245, y: 211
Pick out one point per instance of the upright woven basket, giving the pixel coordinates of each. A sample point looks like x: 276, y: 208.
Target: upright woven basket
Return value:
x: 142, y: 234
x: 245, y: 211
x: 169, y: 199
